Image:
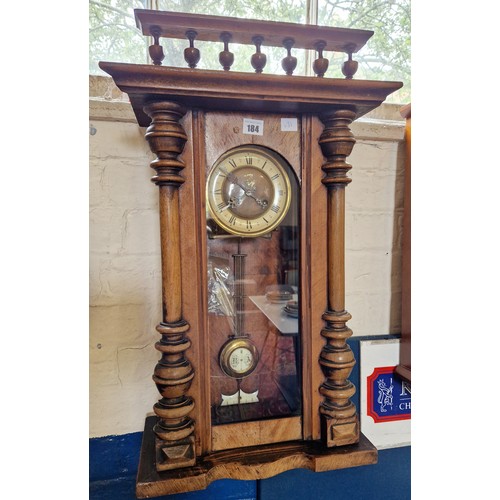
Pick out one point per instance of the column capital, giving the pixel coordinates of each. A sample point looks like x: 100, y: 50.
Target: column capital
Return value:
x: 166, y: 138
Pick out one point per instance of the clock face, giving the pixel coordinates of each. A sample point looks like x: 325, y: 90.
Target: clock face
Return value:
x: 248, y: 191
x: 238, y: 357
x: 241, y: 360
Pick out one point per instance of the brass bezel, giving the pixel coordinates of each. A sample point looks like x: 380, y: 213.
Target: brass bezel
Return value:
x: 279, y: 162
x: 229, y: 347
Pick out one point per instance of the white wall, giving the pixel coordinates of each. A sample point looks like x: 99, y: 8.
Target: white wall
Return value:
x: 125, y: 287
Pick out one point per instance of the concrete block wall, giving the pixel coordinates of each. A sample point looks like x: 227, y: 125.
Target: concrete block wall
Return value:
x: 125, y: 288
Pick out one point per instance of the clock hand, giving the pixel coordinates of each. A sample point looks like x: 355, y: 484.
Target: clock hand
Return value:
x: 232, y: 203
x: 247, y: 191
x: 261, y: 203
x: 234, y: 180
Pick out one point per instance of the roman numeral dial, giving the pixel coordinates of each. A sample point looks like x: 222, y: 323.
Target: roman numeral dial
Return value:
x: 248, y: 191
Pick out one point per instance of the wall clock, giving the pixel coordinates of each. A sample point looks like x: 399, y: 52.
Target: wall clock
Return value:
x: 251, y: 168
x: 248, y: 191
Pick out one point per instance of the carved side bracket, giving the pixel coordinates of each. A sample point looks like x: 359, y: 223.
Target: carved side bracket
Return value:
x: 173, y: 373
x: 339, y: 421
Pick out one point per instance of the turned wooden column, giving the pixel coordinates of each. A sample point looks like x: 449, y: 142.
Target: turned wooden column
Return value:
x: 339, y: 421
x: 173, y: 373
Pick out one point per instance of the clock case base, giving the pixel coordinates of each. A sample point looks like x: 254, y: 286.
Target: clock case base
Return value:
x: 259, y: 462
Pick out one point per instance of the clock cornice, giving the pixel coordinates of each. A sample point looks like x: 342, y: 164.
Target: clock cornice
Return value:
x: 226, y: 91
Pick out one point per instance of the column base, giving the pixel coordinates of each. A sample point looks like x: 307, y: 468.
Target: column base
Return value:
x: 174, y: 455
x: 339, y: 433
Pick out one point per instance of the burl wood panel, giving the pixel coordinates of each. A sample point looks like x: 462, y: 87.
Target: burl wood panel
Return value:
x: 225, y: 131
x: 278, y: 430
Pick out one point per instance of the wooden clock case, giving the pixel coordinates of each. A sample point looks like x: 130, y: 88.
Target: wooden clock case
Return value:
x: 192, y: 117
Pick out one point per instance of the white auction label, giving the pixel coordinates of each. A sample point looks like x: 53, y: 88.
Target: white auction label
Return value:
x: 289, y: 125
x: 253, y: 127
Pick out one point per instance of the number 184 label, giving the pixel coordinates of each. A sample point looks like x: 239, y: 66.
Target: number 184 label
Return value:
x: 253, y: 127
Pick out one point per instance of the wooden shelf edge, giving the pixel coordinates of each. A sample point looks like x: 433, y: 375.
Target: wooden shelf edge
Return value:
x: 242, y: 30
x: 246, y: 464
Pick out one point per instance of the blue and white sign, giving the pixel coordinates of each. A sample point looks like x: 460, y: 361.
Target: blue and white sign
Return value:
x: 389, y: 397
x: 385, y: 412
